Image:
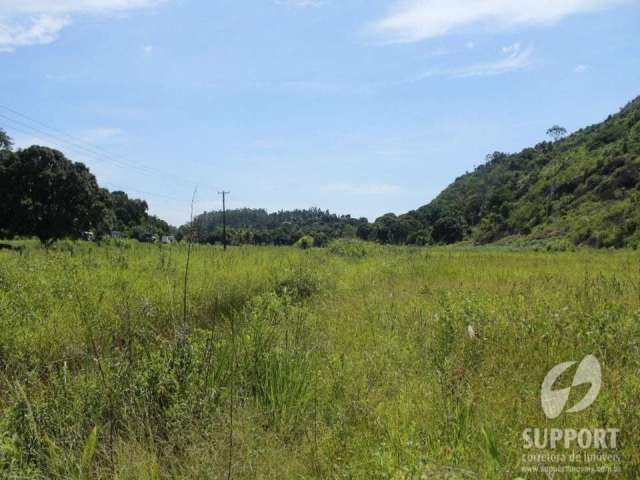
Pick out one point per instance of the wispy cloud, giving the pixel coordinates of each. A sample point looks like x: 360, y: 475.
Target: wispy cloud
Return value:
x: 37, y: 30
x: 364, y: 188
x: 416, y: 20
x: 515, y: 58
x: 580, y: 69
x: 39, y: 22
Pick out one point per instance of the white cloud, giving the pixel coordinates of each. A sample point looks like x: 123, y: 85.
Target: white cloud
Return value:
x: 37, y: 30
x: 365, y: 188
x: 416, y: 20
x: 580, y: 69
x: 516, y: 59
x: 38, y: 22
x: 510, y: 49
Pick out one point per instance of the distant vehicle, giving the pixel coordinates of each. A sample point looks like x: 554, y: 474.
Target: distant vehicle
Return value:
x: 116, y: 234
x: 147, y: 238
x: 88, y: 236
x: 167, y: 239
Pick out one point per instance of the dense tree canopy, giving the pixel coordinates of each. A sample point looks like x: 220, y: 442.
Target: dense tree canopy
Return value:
x: 46, y: 195
x: 128, y: 212
x: 258, y: 227
x: 584, y: 188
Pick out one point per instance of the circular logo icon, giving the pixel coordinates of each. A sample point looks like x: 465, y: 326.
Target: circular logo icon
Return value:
x: 554, y: 401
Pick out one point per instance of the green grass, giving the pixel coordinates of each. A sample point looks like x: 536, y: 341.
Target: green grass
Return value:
x: 353, y: 361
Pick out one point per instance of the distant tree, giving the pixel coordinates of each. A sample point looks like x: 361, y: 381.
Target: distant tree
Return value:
x: 557, y: 132
x: 365, y: 231
x: 349, y: 231
x: 129, y: 212
x: 5, y: 141
x: 495, y: 157
x: 42, y: 193
x: 447, y: 230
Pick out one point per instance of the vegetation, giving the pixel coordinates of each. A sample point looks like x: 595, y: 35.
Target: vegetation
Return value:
x: 354, y: 361
x: 584, y: 188
x: 6, y: 144
x: 581, y: 190
x: 129, y: 216
x: 44, y: 194
x: 257, y: 227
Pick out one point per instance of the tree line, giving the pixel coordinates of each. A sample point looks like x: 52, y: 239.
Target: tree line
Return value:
x: 583, y: 188
x: 255, y: 226
x: 44, y: 194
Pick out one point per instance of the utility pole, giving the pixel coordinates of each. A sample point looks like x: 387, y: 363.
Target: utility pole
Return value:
x: 224, y: 218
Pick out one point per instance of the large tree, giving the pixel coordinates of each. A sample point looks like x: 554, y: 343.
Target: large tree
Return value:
x: 129, y: 212
x: 5, y: 141
x: 42, y: 193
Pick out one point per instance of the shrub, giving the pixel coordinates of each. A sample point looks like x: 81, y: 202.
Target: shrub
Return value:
x: 305, y: 242
x: 299, y: 283
x: 350, y: 248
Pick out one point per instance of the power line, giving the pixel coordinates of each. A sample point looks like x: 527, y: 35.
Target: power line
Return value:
x: 143, y: 192
x: 27, y: 130
x: 79, y: 144
x: 95, y: 153
x: 30, y: 130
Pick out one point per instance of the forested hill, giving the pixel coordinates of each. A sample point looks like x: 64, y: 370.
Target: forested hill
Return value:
x: 257, y: 226
x: 584, y: 188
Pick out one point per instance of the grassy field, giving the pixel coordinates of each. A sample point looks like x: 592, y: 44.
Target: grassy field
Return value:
x: 354, y: 361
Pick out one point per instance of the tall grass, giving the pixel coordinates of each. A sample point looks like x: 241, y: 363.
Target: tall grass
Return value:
x: 347, y: 362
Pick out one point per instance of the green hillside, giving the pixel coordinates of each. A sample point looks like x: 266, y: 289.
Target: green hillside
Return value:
x: 584, y: 188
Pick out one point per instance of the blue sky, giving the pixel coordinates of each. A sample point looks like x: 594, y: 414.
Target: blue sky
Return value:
x: 357, y: 106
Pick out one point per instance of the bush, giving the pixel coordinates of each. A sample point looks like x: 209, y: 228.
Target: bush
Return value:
x: 299, y: 283
x: 350, y: 248
x: 305, y: 242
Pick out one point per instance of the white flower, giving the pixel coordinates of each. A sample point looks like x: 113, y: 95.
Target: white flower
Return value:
x: 471, y: 332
